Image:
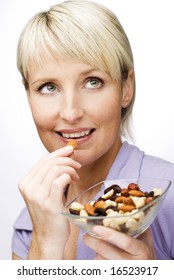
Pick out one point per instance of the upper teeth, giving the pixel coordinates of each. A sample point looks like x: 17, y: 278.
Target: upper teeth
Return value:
x: 76, y: 134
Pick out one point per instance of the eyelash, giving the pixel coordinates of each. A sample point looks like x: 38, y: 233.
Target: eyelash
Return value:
x: 95, y: 78
x: 40, y: 88
x: 101, y: 81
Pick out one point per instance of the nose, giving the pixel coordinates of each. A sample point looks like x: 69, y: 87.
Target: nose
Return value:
x: 72, y: 108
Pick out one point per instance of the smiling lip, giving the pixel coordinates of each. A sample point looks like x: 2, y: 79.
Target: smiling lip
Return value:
x: 80, y: 135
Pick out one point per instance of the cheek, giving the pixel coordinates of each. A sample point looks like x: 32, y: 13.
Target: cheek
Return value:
x: 42, y: 116
x: 111, y: 113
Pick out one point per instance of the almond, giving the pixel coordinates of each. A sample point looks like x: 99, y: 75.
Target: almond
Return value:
x: 89, y: 209
x: 119, y: 199
x: 136, y: 193
x: 100, y: 204
x: 128, y: 201
x: 72, y: 143
x: 126, y: 208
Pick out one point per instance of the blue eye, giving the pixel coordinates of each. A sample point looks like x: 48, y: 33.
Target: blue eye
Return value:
x: 94, y: 83
x: 48, y: 89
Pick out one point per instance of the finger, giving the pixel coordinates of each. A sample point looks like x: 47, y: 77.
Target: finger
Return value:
x: 146, y: 237
x: 57, y: 191
x: 57, y: 171
x: 114, y: 237
x: 54, y: 203
x: 63, y: 152
x: 99, y: 257
x: 133, y: 246
x: 54, y: 167
x: 104, y: 249
x: 41, y: 190
x: 129, y: 244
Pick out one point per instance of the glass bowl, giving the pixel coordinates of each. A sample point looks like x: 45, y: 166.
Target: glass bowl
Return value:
x: 113, y: 205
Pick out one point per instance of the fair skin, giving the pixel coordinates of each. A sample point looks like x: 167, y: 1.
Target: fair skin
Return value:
x: 72, y: 99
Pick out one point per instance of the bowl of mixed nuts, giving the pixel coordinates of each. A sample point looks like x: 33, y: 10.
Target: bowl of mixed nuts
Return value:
x: 126, y: 205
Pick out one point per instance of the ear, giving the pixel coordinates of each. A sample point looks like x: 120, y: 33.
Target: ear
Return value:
x: 128, y: 89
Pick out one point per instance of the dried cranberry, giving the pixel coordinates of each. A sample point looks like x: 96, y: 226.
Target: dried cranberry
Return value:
x: 114, y: 187
x: 100, y: 212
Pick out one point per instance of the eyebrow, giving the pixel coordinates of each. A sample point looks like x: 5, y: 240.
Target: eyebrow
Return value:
x: 44, y: 80
x: 83, y: 73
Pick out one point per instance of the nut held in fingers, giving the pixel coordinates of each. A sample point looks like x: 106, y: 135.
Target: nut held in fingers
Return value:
x: 72, y: 143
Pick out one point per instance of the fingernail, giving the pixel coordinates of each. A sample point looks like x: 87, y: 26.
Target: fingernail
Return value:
x: 69, y: 148
x: 97, y: 230
x: 78, y: 164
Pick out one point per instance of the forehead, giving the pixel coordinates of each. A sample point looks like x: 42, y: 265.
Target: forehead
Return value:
x: 53, y: 68
x: 46, y: 61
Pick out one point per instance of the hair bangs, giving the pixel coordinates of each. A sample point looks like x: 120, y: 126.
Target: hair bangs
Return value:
x: 64, y: 38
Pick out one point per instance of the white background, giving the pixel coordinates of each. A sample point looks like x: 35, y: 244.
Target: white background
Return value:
x: 149, y: 26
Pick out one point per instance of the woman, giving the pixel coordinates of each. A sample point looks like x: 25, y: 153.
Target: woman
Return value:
x: 77, y: 68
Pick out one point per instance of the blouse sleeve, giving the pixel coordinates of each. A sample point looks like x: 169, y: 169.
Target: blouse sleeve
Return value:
x: 22, y: 234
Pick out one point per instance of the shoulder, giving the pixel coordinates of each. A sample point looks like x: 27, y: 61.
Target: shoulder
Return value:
x: 133, y: 162
x: 149, y: 165
x: 157, y: 167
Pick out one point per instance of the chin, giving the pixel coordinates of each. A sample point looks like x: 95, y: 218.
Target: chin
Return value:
x: 85, y: 157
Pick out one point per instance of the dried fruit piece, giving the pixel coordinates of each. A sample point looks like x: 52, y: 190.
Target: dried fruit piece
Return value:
x: 149, y: 194
x: 149, y: 200
x: 112, y: 208
x: 108, y: 194
x: 157, y: 191
x: 74, y: 212
x: 125, y: 192
x: 100, y: 212
x: 133, y: 186
x: 118, y: 207
x: 116, y: 189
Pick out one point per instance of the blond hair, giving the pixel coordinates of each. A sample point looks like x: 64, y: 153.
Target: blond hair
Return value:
x: 80, y: 30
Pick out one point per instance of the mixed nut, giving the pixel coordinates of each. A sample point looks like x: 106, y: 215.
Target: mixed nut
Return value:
x: 72, y: 143
x: 120, y: 208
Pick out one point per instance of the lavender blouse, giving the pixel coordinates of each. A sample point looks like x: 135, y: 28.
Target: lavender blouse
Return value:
x: 129, y: 163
